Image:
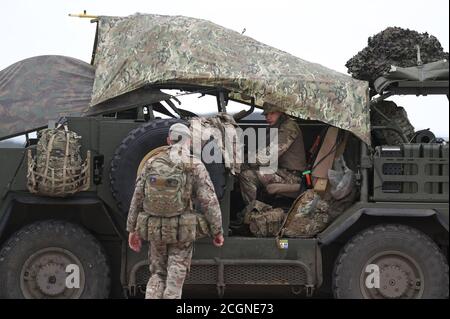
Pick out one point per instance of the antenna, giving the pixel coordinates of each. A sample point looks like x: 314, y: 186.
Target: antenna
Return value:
x: 419, y: 59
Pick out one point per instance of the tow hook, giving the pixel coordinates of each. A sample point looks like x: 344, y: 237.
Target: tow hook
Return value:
x: 220, y: 290
x: 309, y: 290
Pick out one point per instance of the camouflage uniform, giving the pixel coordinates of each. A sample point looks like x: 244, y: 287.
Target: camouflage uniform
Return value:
x: 291, y: 161
x: 309, y: 216
x: 169, y: 263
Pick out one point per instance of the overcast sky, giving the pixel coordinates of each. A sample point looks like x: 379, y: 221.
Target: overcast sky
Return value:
x: 322, y: 31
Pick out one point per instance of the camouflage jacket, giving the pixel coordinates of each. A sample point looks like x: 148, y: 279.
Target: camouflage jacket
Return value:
x: 226, y: 126
x: 291, y: 149
x: 203, y: 195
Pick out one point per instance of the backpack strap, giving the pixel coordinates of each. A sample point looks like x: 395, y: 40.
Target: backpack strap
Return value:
x: 188, y: 169
x: 47, y: 159
x: 66, y: 156
x: 63, y: 125
x: 287, y: 220
x: 153, y: 153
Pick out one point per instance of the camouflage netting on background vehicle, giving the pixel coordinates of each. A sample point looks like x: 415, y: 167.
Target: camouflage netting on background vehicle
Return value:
x: 394, y: 46
x: 43, y: 88
x: 141, y: 50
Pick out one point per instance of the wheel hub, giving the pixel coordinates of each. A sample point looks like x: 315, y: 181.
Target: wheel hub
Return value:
x: 51, y: 279
x: 44, y: 274
x: 400, y: 276
x: 393, y: 282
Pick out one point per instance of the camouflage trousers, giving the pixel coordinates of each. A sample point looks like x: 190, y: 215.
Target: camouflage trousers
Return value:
x: 252, y: 179
x: 169, y: 265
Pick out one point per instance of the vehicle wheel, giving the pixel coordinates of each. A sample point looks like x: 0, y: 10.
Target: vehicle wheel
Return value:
x: 409, y: 264
x: 33, y: 263
x: 133, y: 149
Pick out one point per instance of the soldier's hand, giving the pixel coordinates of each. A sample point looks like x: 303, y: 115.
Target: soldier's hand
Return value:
x: 135, y: 242
x: 218, y: 240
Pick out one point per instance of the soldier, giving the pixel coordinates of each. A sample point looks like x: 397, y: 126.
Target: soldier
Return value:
x: 291, y: 157
x: 170, y: 260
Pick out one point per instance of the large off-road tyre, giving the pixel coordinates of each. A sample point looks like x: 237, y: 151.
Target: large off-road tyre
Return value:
x: 398, y: 118
x: 406, y: 261
x: 53, y: 259
x: 138, y: 143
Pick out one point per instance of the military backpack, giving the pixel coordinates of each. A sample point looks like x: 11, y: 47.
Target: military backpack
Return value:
x: 168, y: 214
x: 57, y: 168
x: 167, y: 187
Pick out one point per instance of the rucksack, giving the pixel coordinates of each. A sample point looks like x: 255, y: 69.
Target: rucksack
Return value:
x: 168, y: 214
x: 263, y: 219
x: 307, y: 216
x: 58, y: 169
x: 167, y: 187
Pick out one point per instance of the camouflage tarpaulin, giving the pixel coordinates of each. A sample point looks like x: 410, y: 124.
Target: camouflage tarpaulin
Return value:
x: 141, y: 49
x: 42, y: 88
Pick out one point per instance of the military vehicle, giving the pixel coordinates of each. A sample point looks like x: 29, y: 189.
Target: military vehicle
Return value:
x: 397, y: 229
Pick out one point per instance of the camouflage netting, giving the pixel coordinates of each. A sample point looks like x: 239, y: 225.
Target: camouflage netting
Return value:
x: 393, y: 46
x: 141, y: 50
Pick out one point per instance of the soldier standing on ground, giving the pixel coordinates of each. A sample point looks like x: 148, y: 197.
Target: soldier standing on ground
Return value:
x: 170, y: 260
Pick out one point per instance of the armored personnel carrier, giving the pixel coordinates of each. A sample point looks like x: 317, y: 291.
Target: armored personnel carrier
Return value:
x: 390, y: 242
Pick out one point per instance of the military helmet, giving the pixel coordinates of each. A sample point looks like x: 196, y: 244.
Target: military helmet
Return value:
x: 269, y: 107
x: 177, y: 130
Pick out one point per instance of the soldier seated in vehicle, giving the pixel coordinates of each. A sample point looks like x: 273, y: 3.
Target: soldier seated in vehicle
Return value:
x: 291, y: 158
